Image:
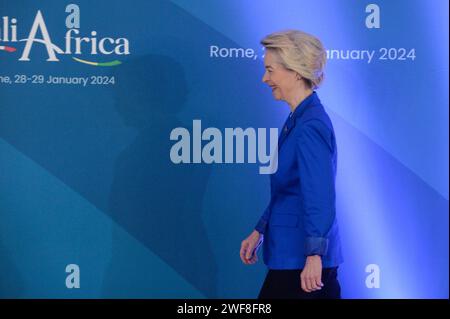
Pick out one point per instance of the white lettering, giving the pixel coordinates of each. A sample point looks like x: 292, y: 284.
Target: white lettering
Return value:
x: 51, y: 48
x: 211, y: 152
x: 73, y: 19
x: 373, y: 19
x: 218, y: 52
x: 373, y: 279
x: 73, y: 279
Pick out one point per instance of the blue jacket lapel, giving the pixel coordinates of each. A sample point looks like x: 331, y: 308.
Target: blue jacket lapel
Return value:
x: 298, y: 112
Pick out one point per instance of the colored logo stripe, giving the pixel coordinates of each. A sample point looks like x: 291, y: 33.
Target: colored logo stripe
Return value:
x: 7, y: 49
x: 112, y: 63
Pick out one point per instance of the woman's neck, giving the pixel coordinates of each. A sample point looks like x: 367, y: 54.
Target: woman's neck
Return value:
x: 298, y: 98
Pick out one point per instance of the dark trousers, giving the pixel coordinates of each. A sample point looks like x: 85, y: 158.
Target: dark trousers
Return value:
x: 286, y: 284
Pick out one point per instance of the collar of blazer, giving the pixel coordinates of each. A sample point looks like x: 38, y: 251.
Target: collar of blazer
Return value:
x: 311, y: 100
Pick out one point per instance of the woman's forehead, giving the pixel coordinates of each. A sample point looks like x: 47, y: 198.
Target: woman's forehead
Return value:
x: 269, y: 59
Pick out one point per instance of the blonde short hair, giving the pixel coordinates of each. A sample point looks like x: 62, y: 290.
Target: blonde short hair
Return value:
x: 299, y: 52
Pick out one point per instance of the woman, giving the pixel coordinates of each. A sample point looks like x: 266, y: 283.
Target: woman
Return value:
x: 301, y: 245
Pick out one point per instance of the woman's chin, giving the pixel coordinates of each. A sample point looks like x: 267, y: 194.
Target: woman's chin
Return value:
x: 276, y: 96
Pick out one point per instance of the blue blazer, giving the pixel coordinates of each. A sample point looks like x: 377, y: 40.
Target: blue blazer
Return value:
x: 300, y: 219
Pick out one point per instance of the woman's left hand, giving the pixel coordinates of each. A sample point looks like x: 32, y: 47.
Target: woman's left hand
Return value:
x: 311, y: 276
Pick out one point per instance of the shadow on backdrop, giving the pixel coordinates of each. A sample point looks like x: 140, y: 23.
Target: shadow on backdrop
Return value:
x: 158, y: 202
x: 11, y: 281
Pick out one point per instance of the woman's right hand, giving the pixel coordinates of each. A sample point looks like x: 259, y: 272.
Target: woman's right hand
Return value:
x: 249, y: 248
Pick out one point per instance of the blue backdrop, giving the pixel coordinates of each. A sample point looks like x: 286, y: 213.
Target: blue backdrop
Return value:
x: 85, y: 172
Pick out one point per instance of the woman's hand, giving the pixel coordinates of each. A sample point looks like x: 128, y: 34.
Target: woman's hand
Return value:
x: 311, y: 276
x: 249, y: 248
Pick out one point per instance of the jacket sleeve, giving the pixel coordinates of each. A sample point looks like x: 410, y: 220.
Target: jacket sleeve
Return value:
x: 317, y: 177
x: 262, y: 223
